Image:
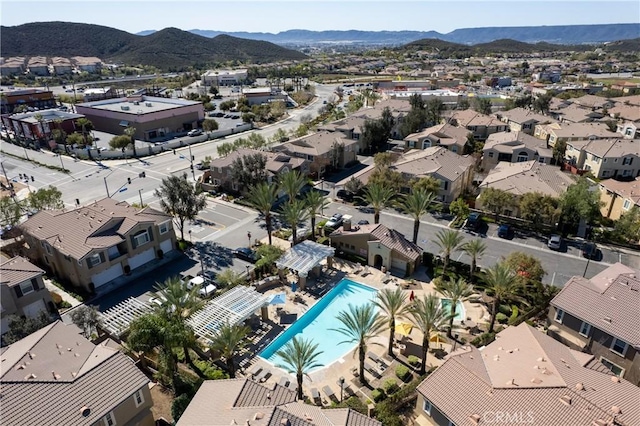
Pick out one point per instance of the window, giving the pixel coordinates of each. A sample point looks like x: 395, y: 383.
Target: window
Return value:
x: 627, y: 172
x: 94, y: 260
x: 26, y: 288
x: 47, y: 247
x: 163, y: 228
x: 490, y: 154
x: 559, y: 315
x: 426, y: 144
x: 619, y: 347
x: 552, y: 138
x: 454, y: 149
x: 109, y: 419
x: 615, y: 369
x: 140, y: 238
x: 605, y: 173
x: 585, y: 329
x: 522, y: 157
x: 138, y: 398
x: 426, y: 406
x: 626, y: 205
x: 412, y: 144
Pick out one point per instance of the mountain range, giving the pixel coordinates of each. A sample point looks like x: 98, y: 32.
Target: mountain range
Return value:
x: 558, y: 34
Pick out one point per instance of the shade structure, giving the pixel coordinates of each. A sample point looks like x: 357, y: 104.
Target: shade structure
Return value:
x: 116, y: 320
x: 278, y: 299
x: 304, y: 256
x: 438, y: 338
x: 403, y: 328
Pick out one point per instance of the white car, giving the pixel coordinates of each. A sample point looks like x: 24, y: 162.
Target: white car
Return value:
x: 206, y: 289
x: 555, y: 242
x: 194, y: 132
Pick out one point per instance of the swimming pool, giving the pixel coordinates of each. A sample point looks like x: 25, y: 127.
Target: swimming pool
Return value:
x: 461, y: 315
x: 316, y: 323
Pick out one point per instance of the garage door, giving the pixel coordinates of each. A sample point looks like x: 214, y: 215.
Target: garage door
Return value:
x: 142, y: 258
x: 398, y: 265
x: 166, y: 246
x: 32, y: 310
x: 107, y: 275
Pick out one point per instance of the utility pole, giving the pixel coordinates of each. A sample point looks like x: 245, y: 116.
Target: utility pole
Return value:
x: 106, y: 187
x: 140, y: 194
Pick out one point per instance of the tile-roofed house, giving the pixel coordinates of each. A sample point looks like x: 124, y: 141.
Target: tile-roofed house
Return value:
x: 522, y: 120
x: 57, y: 377
x: 479, y: 124
x: 629, y: 130
x: 600, y: 316
x: 241, y: 402
x: 514, y: 147
x: 618, y: 197
x: 525, y: 177
x: 628, y: 100
x: 92, y: 245
x: 532, y: 378
x: 219, y: 171
x: 451, y: 137
x: 324, y: 150
x: 593, y: 102
x: 608, y: 158
x: 566, y: 132
x: 576, y: 114
x: 22, y: 291
x: 381, y: 246
x: 351, y: 127
x: 625, y: 112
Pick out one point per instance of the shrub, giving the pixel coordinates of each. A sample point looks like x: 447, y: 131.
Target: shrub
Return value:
x: 390, y: 386
x: 501, y: 318
x: 55, y: 297
x: 321, y: 224
x: 211, y: 372
x: 413, y: 360
x: 504, y: 309
x: 179, y: 405
x: 63, y: 305
x: 514, y: 314
x: 378, y: 395
x: 354, y: 403
x: 483, y: 339
x: 183, y: 245
x: 403, y: 373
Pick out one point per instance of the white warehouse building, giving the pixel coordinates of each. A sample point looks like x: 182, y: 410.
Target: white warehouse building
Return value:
x: 224, y: 77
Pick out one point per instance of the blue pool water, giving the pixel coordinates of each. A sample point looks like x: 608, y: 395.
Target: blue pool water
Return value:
x: 316, y: 323
x: 461, y: 315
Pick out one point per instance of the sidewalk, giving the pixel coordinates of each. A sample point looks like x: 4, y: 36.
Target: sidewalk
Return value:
x: 65, y: 296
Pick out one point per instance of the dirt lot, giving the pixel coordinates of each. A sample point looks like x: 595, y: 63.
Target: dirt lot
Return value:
x: 162, y: 399
x: 4, y: 188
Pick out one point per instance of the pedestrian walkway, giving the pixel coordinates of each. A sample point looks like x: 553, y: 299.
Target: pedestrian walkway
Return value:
x: 65, y: 296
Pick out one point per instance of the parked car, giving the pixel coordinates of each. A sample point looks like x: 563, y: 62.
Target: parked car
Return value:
x: 206, y: 288
x: 363, y: 222
x: 473, y: 222
x: 555, y: 242
x: 344, y: 195
x: 194, y: 132
x: 505, y: 231
x: 246, y: 253
x: 590, y: 250
x: 335, y: 221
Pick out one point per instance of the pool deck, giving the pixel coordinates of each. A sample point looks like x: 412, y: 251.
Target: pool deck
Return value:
x: 280, y: 317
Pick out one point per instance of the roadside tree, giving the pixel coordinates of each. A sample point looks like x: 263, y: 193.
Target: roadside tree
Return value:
x: 249, y: 170
x: 179, y: 198
x: 496, y: 200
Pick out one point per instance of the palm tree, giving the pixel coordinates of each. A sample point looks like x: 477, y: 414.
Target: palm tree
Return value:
x: 84, y: 123
x: 292, y: 214
x: 449, y: 242
x: 378, y: 197
x: 298, y: 356
x: 501, y: 285
x: 475, y: 250
x: 291, y: 183
x: 429, y: 316
x: 227, y: 342
x: 315, y: 203
x: 456, y: 291
x: 262, y: 197
x: 415, y: 205
x: 131, y: 131
x: 394, y: 304
x: 360, y: 324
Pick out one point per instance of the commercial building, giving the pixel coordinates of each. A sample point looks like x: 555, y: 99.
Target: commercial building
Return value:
x: 224, y: 77
x: 26, y: 98
x: 152, y: 117
x: 38, y: 125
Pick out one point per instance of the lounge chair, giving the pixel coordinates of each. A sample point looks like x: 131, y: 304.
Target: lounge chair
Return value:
x: 292, y: 385
x: 377, y: 359
x: 327, y: 391
x: 375, y: 373
x: 262, y: 376
x: 387, y: 277
x: 315, y: 394
x: 254, y: 370
x: 366, y: 271
x: 284, y: 381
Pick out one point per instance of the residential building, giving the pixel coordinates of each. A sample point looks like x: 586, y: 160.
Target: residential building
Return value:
x: 451, y: 137
x: 399, y: 108
x: 576, y: 114
x: 514, y: 147
x: 624, y: 111
x: 599, y: 316
x: 61, y: 66
x: 566, y: 132
x: 324, y: 151
x: 12, y: 66
x: 38, y: 65
x: 152, y: 117
x: 617, y: 158
x: 219, y: 172
x: 224, y: 77
x: 525, y: 377
x: 629, y: 130
x: 23, y: 291
x: 522, y: 120
x: 38, y: 125
x: 524, y: 177
x: 381, y: 246
x: 18, y: 100
x: 242, y: 401
x: 92, y: 245
x: 351, y: 127
x: 57, y: 377
x: 618, y: 197
x: 593, y: 102
x: 87, y: 64
x: 479, y: 124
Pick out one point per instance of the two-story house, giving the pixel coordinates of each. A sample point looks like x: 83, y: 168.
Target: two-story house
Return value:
x: 92, y: 245
x: 57, y: 377
x: 22, y: 291
x: 514, y: 147
x: 618, y: 197
x: 566, y: 132
x: 324, y: 150
x: 610, y: 158
x: 525, y: 377
x: 522, y: 120
x: 446, y: 135
x: 276, y: 163
x: 600, y: 316
x: 479, y: 124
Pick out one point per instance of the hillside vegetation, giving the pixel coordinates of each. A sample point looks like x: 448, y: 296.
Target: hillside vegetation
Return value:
x: 169, y: 49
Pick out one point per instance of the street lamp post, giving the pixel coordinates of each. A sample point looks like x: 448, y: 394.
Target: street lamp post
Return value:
x: 341, y: 381
x: 322, y: 190
x: 248, y: 276
x: 140, y: 194
x: 106, y: 187
x: 249, y: 237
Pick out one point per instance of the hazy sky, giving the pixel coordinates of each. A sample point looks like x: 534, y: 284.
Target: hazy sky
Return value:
x: 275, y: 16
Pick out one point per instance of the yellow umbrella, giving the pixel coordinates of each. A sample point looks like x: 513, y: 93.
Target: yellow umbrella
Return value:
x: 437, y: 338
x: 403, y: 328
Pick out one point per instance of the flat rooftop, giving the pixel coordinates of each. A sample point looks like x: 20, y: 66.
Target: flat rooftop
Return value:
x: 138, y: 105
x: 48, y: 115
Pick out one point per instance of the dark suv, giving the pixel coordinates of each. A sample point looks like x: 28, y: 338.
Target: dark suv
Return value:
x: 590, y: 250
x: 473, y: 222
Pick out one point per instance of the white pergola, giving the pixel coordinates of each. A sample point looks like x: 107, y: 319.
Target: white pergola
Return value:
x: 116, y: 320
x: 233, y: 306
x: 304, y: 256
